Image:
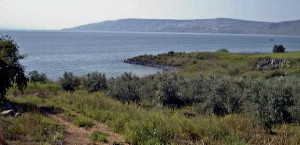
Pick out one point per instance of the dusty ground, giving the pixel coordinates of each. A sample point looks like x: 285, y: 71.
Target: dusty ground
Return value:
x: 74, y: 135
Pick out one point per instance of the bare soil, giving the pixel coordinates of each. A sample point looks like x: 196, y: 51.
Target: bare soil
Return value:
x: 74, y: 135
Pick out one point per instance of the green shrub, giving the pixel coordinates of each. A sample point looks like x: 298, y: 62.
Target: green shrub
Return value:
x: 148, y: 89
x: 170, y: 91
x: 279, y: 49
x: 205, y: 56
x: 69, y: 82
x: 95, y: 82
x: 171, y: 53
x: 144, y: 133
x: 35, y: 76
x: 98, y: 136
x: 81, y: 121
x: 223, y: 50
x: 11, y: 70
x: 31, y: 127
x: 125, y: 88
x: 272, y: 100
x: 223, y: 96
x: 275, y: 73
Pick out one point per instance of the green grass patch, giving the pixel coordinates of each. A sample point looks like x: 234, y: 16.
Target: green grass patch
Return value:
x: 98, y: 136
x: 31, y: 127
x: 232, y: 64
x: 82, y: 121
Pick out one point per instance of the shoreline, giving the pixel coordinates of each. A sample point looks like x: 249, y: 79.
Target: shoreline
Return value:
x: 165, y: 68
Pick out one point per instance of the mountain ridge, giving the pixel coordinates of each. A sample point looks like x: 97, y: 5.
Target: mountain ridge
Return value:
x: 217, y: 25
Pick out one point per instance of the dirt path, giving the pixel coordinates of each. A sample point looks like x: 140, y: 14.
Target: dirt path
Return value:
x: 74, y: 135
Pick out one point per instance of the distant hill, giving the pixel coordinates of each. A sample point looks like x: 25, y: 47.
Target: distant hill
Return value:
x: 219, y: 25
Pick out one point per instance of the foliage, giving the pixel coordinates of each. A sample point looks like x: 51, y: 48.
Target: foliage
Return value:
x: 160, y: 125
x: 98, y: 136
x: 11, y: 71
x: 125, y: 88
x: 279, y: 49
x: 81, y: 121
x: 272, y: 102
x: 171, y: 53
x: 35, y: 76
x: 31, y: 127
x: 223, y: 50
x: 216, y: 107
x: 69, y: 82
x: 95, y: 82
x: 223, y: 96
x: 170, y: 95
x: 205, y: 56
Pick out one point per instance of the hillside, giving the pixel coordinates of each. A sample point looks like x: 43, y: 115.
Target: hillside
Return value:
x: 219, y: 25
x: 216, y: 98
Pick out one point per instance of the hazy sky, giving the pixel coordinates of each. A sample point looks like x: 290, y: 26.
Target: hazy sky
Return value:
x: 56, y: 14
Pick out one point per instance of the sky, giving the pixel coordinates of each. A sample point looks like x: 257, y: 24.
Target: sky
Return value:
x: 58, y: 14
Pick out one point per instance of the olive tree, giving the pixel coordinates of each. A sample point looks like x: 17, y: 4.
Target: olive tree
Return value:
x: 272, y: 100
x: 125, y: 88
x: 95, y: 82
x: 69, y: 82
x: 11, y: 71
x: 35, y: 76
x: 222, y: 96
x: 170, y: 92
x: 279, y: 49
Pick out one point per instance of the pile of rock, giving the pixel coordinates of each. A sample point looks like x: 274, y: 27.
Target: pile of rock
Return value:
x: 8, y: 110
x: 271, y: 64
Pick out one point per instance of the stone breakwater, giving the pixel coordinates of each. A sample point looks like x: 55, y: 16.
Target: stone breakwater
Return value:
x: 165, y: 68
x: 271, y: 64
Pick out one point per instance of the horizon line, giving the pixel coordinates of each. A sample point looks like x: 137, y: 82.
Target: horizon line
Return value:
x: 100, y: 21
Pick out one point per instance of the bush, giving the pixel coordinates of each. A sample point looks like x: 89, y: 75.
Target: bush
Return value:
x: 279, y: 49
x: 223, y: 50
x: 98, y: 136
x: 205, y: 56
x: 272, y: 102
x: 95, y: 82
x: 276, y: 73
x: 170, y: 91
x: 125, y: 88
x: 69, y: 82
x: 171, y: 53
x: 83, y: 122
x: 31, y: 127
x: 148, y: 89
x: 223, y: 96
x: 11, y: 71
x: 35, y: 76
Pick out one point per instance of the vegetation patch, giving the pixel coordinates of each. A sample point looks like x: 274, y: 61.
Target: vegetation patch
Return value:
x: 31, y: 127
x: 82, y: 121
x: 98, y: 136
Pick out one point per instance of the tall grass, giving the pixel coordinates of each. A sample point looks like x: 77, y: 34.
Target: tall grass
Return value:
x: 160, y: 125
x: 31, y: 128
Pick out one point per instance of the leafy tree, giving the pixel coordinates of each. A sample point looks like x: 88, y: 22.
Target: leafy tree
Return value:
x: 69, y: 82
x: 95, y: 82
x: 279, y: 49
x: 272, y: 102
x: 222, y: 97
x: 170, y: 91
x: 11, y: 71
x: 35, y: 76
x: 125, y: 88
x: 148, y: 89
x: 223, y: 50
x: 171, y: 53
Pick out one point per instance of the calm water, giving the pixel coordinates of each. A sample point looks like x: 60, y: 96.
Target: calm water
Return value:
x: 54, y: 52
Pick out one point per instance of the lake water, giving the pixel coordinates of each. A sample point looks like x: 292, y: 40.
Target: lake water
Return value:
x: 54, y: 52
